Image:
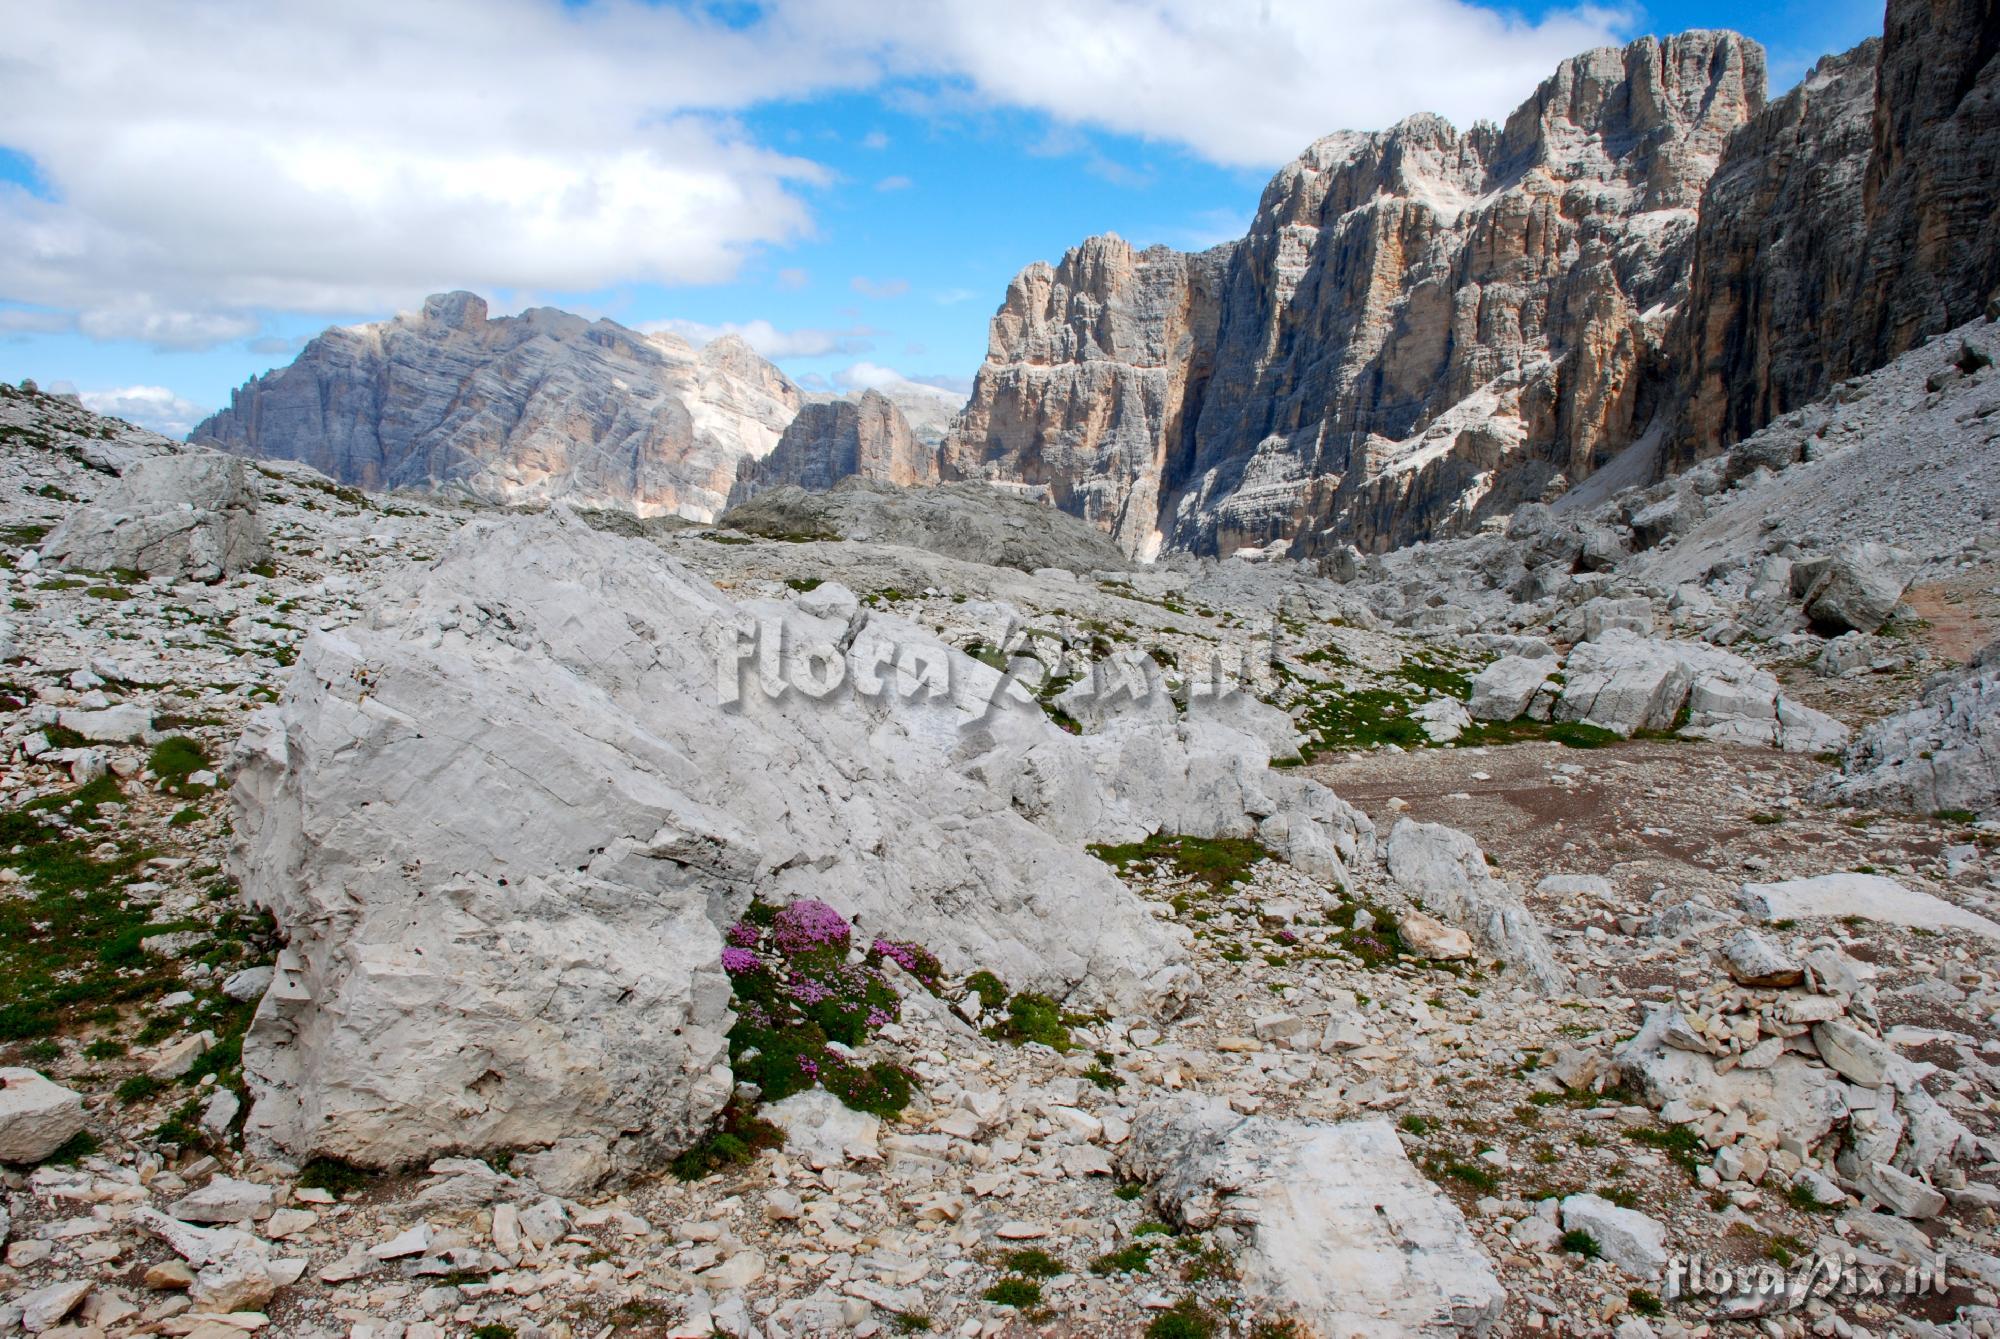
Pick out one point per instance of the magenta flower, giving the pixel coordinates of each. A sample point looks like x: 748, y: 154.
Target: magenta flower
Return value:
x: 808, y: 925
x: 737, y: 961
x: 742, y: 934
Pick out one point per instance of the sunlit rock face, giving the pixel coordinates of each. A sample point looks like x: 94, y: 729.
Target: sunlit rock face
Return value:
x: 1423, y: 327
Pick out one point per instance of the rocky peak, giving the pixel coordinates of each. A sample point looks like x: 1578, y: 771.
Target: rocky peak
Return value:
x: 456, y: 310
x: 840, y: 439
x: 1423, y: 326
x: 533, y: 407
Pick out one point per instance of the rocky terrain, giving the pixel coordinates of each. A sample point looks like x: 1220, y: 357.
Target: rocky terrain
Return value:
x: 893, y: 911
x: 1426, y: 328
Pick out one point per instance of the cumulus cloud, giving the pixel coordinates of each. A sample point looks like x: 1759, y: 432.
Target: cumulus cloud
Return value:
x: 1240, y: 85
x: 199, y: 165
x: 153, y: 407
x: 879, y: 289
x: 206, y: 161
x: 864, y: 376
x: 769, y: 340
x: 896, y: 183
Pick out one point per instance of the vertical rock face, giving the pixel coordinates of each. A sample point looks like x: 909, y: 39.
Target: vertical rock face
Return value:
x: 837, y: 440
x: 1773, y: 256
x: 1093, y: 369
x: 1857, y: 216
x: 1421, y: 327
x: 534, y: 407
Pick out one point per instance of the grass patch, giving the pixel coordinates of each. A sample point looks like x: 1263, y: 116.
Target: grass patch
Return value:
x: 1184, y: 1320
x: 1678, y: 1142
x: 1033, y: 1018
x: 335, y: 1177
x: 1218, y: 862
x: 1136, y: 1258
x: 1578, y: 1242
x: 1033, y: 1263
x: 1019, y: 1293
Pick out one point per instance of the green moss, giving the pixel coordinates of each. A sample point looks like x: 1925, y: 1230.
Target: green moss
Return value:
x: 1645, y: 1303
x: 1184, y: 1320
x: 138, y: 1088
x: 804, y: 583
x: 1033, y: 1263
x: 1137, y: 1258
x: 79, y: 1146
x: 1014, y: 1292
x: 1569, y: 734
x: 990, y: 989
x: 1218, y: 862
x: 1679, y: 1142
x: 1033, y: 1018
x: 1578, y: 1242
x: 335, y: 1177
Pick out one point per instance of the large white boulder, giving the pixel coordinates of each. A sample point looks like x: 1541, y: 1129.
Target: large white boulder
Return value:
x: 1340, y: 1232
x: 1859, y: 587
x: 1503, y: 690
x: 1941, y: 754
x: 1868, y: 896
x: 1446, y: 873
x: 503, y: 824
x: 1625, y: 683
x: 189, y: 516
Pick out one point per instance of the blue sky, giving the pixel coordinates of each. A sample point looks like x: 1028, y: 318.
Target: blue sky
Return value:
x: 189, y: 192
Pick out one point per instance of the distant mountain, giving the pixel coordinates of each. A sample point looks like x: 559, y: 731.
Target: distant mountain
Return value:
x: 527, y: 408
x: 841, y: 439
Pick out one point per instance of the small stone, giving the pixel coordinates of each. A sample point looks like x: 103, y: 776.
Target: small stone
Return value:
x: 248, y: 986
x: 177, y: 1059
x: 738, y: 1271
x: 410, y: 1241
x: 225, y: 1200
x: 1017, y: 1230
x: 1853, y: 1054
x: 1428, y: 937
x: 45, y: 1308
x: 289, y: 1223
x: 1628, y: 1238
x: 1754, y: 960
x: 169, y: 1276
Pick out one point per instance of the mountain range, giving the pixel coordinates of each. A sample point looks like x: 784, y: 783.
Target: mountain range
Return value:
x: 1423, y: 329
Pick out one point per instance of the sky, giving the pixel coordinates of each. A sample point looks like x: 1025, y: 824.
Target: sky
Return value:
x: 189, y: 192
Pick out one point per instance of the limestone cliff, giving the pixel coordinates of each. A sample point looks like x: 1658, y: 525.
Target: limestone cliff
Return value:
x: 1857, y: 216
x: 1423, y: 325
x: 840, y: 439
x: 528, y: 408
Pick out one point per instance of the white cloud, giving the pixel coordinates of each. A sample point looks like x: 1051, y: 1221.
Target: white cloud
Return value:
x: 1240, y: 85
x: 865, y: 376
x: 769, y: 340
x: 153, y: 407
x: 199, y: 165
x: 879, y: 289
x: 792, y: 280
x: 896, y: 183
x: 207, y: 161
